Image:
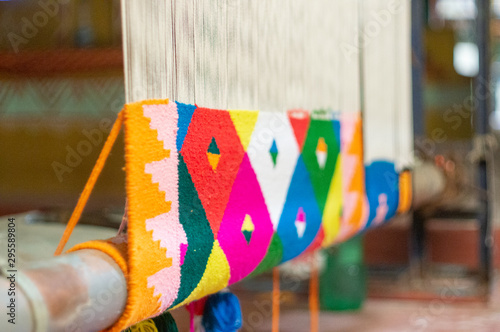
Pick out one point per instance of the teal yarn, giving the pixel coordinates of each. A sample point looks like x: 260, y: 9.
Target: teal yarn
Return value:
x: 222, y: 313
x: 165, y: 323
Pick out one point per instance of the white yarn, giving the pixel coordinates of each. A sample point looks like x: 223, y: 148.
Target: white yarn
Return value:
x: 277, y: 55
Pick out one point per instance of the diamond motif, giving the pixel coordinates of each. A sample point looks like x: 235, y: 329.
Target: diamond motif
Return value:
x: 247, y: 228
x: 321, y: 152
x: 274, y: 179
x: 213, y: 154
x: 212, y: 187
x: 301, y: 217
x: 300, y: 222
x: 274, y: 152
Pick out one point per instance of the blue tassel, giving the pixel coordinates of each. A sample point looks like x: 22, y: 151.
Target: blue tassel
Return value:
x: 222, y: 313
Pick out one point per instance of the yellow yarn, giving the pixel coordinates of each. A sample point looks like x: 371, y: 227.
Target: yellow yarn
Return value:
x: 144, y: 326
x: 248, y: 224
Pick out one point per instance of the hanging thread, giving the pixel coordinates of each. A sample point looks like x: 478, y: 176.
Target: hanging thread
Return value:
x: 313, y: 296
x: 96, y: 171
x: 276, y: 299
x: 124, y: 222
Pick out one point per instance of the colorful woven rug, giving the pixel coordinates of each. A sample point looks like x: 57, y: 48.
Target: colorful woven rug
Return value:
x: 217, y: 195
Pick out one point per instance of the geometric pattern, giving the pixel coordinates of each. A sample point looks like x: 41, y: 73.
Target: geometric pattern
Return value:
x: 246, y: 229
x: 300, y: 222
x: 355, y: 203
x: 212, y: 132
x: 301, y: 218
x: 199, y: 234
x: 299, y: 120
x: 166, y: 227
x: 215, y: 196
x: 382, y: 183
x: 213, y: 154
x: 320, y: 152
x: 273, y: 153
x: 244, y: 122
x: 332, y: 214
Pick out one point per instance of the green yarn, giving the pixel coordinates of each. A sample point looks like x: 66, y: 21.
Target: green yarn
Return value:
x: 320, y: 177
x: 198, y: 232
x: 165, y: 323
x: 272, y: 258
x: 248, y: 236
x: 213, y: 148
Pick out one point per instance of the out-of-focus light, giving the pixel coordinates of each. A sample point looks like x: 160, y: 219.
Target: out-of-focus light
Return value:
x: 496, y: 8
x: 456, y: 9
x: 439, y: 160
x: 466, y: 59
x: 450, y: 166
x: 495, y: 116
x: 495, y: 120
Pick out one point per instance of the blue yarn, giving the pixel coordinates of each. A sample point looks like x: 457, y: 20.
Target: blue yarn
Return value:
x: 185, y: 112
x: 222, y: 313
x: 336, y: 129
x: 300, y: 195
x: 382, y: 178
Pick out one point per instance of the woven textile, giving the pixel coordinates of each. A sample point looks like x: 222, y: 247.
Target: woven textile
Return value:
x: 217, y: 195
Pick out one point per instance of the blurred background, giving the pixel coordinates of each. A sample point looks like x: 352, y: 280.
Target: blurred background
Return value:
x: 61, y: 87
x: 61, y: 76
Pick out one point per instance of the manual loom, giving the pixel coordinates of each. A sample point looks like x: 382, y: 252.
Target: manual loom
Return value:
x: 255, y: 132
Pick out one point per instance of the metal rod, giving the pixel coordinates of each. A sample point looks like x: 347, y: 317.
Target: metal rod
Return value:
x: 417, y: 230
x: 417, y: 66
x: 81, y: 291
x: 482, y: 98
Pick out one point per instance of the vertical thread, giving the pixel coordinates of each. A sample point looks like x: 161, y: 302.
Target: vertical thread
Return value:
x: 124, y: 222
x: 276, y: 299
x: 313, y: 296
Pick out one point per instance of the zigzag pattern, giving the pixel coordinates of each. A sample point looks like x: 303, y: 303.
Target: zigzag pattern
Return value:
x: 299, y: 178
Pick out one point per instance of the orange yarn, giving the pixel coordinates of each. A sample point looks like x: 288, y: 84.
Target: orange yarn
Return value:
x: 96, y: 171
x: 313, y: 296
x: 405, y: 191
x: 276, y: 300
x: 117, y: 250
